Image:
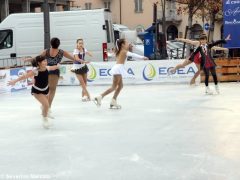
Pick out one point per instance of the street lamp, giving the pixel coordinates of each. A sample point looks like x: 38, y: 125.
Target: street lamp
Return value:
x: 46, y: 24
x: 120, y: 9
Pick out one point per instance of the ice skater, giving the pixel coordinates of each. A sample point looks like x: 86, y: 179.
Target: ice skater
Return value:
x: 118, y: 72
x: 80, y: 68
x: 54, y: 56
x: 196, y: 59
x: 207, y: 62
x: 40, y: 88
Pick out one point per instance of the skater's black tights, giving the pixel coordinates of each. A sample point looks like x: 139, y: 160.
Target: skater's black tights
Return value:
x: 214, y: 75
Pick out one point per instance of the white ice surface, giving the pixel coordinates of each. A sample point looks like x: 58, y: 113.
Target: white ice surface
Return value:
x: 162, y: 132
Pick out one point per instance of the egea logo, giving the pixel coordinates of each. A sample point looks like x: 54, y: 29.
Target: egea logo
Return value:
x: 92, y: 74
x: 149, y: 72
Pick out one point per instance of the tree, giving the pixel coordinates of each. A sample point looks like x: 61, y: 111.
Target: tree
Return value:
x: 207, y: 9
x: 163, y: 4
x: 192, y: 7
x: 212, y: 8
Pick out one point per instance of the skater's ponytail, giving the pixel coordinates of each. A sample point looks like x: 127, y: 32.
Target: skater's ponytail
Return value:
x: 119, y: 44
x: 37, y: 60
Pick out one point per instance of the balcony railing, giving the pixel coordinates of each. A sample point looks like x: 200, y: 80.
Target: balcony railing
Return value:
x: 171, y: 16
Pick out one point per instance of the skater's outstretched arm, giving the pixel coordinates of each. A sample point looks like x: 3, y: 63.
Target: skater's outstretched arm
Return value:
x: 23, y: 77
x: 225, y: 50
x: 217, y: 48
x: 222, y: 41
x: 80, y: 60
x: 136, y: 56
x: 89, y: 54
x: 195, y: 43
x: 68, y: 55
x: 52, y: 68
x: 30, y: 59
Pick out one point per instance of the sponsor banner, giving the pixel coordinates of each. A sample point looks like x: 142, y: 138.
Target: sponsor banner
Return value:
x: 231, y: 9
x: 16, y: 73
x: 4, y: 78
x: 31, y: 79
x: 66, y: 76
x: 139, y: 72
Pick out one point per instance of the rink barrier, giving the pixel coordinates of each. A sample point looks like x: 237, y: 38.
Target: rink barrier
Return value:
x: 138, y: 72
x: 228, y: 70
x: 13, y: 62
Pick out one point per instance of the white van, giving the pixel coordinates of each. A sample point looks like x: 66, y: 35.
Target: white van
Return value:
x: 137, y: 44
x: 23, y: 34
x: 121, y: 31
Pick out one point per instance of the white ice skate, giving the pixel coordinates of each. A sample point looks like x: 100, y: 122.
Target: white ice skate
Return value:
x: 217, y: 89
x: 49, y: 115
x: 85, y: 99
x: 114, y: 105
x: 208, y: 91
x: 98, y: 100
x: 45, y: 122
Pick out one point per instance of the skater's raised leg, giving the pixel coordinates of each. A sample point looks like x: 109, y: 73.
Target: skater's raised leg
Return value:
x: 193, y: 80
x: 182, y: 65
x: 98, y: 99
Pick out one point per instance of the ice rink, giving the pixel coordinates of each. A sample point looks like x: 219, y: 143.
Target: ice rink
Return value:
x: 162, y: 132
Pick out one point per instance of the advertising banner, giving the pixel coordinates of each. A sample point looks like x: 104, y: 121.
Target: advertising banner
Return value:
x: 4, y: 78
x: 139, y: 72
x: 231, y: 9
x: 16, y: 73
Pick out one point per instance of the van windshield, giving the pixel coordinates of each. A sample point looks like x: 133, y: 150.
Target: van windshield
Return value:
x: 138, y: 41
x: 107, y: 31
x: 6, y: 39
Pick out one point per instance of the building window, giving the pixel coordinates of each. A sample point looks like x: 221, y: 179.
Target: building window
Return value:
x: 172, y: 32
x: 88, y: 6
x: 107, y: 5
x: 197, y: 30
x: 138, y: 6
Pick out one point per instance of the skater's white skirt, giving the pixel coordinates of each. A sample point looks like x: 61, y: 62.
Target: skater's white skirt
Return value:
x: 118, y: 69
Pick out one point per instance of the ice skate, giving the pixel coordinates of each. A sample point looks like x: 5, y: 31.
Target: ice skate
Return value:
x: 208, y: 91
x: 114, y: 105
x: 192, y: 82
x: 98, y: 100
x: 85, y: 99
x: 217, y: 89
x: 49, y: 115
x: 45, y: 122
